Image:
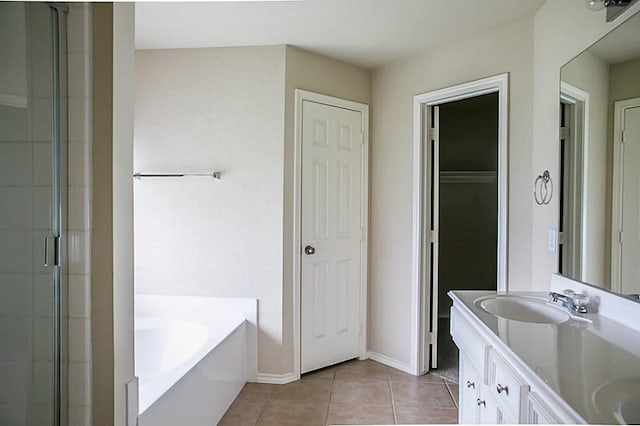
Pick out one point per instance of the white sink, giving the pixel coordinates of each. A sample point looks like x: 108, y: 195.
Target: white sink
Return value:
x: 619, y: 401
x: 523, y: 308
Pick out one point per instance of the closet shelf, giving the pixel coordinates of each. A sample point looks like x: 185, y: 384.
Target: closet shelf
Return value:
x: 468, y: 176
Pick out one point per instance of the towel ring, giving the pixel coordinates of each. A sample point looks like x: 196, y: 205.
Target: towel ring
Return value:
x: 543, y: 188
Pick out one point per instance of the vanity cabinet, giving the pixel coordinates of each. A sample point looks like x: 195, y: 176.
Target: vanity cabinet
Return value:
x: 491, y: 389
x: 477, y: 403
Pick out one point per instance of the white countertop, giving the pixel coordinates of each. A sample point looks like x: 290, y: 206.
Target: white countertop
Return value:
x: 576, y: 359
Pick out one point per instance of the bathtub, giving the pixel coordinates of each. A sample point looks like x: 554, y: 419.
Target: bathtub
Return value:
x: 193, y: 355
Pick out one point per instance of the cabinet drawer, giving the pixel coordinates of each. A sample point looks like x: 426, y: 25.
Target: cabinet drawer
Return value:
x: 507, y: 387
x: 469, y: 340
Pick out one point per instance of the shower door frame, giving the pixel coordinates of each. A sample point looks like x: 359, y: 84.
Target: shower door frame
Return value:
x: 59, y: 183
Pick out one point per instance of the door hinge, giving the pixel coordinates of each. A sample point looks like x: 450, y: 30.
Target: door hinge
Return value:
x: 560, y: 238
x: 431, y: 133
x: 621, y: 237
x: 361, y: 234
x: 564, y: 132
x: 429, y: 338
x: 622, y: 136
x: 433, y: 236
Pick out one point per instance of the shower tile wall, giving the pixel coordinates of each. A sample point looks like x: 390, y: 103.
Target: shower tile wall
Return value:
x: 79, y: 213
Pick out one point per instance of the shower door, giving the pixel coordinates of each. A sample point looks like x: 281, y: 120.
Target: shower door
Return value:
x: 32, y: 121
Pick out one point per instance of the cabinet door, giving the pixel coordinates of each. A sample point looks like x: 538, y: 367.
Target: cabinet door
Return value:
x: 490, y: 412
x: 537, y: 411
x: 468, y: 392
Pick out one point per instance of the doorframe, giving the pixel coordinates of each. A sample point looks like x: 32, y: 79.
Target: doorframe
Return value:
x: 419, y: 363
x: 616, y: 189
x: 570, y: 94
x: 300, y: 97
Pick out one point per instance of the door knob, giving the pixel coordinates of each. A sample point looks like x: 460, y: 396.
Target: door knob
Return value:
x: 309, y: 250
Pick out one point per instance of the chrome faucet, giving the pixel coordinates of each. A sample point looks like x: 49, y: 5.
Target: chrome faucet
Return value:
x: 575, y: 302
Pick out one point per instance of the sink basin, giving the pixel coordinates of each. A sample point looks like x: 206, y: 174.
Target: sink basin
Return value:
x: 619, y: 401
x: 523, y: 308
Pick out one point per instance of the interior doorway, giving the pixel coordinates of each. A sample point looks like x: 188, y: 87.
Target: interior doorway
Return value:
x: 460, y: 190
x: 466, y: 207
x: 574, y: 107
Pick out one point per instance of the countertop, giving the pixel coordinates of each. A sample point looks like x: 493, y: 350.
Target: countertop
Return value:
x: 591, y: 362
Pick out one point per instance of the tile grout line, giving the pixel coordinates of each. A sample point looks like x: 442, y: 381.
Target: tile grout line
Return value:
x: 333, y: 382
x: 393, y: 404
x: 446, y: 383
x: 264, y: 404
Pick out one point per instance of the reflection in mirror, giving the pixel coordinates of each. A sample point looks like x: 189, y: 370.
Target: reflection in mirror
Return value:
x: 600, y: 162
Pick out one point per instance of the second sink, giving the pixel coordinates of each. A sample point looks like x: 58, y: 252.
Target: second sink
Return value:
x: 522, y: 308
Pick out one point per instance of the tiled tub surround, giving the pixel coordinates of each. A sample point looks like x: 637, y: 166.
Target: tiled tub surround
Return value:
x: 79, y: 213
x: 568, y: 362
x: 354, y: 392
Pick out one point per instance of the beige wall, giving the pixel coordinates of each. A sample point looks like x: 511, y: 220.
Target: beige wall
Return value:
x: 112, y: 243
x: 123, y: 101
x: 315, y: 73
x: 562, y: 30
x: 200, y: 110
x: 102, y: 332
x: 591, y: 74
x: 625, y: 83
x: 504, y: 50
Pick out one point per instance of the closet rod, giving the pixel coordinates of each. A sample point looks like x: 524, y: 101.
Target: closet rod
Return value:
x: 215, y: 175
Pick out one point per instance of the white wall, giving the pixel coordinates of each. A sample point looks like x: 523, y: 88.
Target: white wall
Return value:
x: 200, y: 110
x: 506, y: 49
x: 562, y: 30
x: 228, y: 109
x: 591, y: 74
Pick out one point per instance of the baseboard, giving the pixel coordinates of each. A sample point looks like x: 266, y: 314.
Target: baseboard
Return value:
x: 277, y: 379
x: 390, y: 362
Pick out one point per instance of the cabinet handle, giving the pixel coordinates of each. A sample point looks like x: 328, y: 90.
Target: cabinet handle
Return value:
x: 471, y: 385
x: 501, y: 388
x: 480, y: 402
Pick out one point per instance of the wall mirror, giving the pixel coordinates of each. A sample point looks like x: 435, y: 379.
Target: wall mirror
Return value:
x: 600, y: 163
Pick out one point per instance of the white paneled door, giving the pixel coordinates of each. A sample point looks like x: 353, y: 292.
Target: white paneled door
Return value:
x: 630, y: 230
x: 331, y: 222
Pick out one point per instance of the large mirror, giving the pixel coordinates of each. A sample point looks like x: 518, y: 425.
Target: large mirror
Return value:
x: 600, y: 163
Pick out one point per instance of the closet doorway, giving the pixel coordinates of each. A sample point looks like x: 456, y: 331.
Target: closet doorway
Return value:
x: 460, y: 201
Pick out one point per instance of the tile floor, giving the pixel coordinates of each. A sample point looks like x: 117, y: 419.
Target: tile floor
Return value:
x: 354, y: 392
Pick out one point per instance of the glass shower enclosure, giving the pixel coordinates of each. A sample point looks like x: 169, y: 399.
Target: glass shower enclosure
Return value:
x: 32, y: 196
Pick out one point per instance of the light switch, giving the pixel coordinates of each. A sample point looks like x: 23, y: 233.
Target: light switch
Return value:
x: 552, y: 241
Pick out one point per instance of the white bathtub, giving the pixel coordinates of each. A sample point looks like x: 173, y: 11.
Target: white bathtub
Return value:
x: 192, y: 357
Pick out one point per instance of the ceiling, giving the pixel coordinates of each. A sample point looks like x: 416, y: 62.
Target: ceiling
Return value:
x: 369, y: 33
